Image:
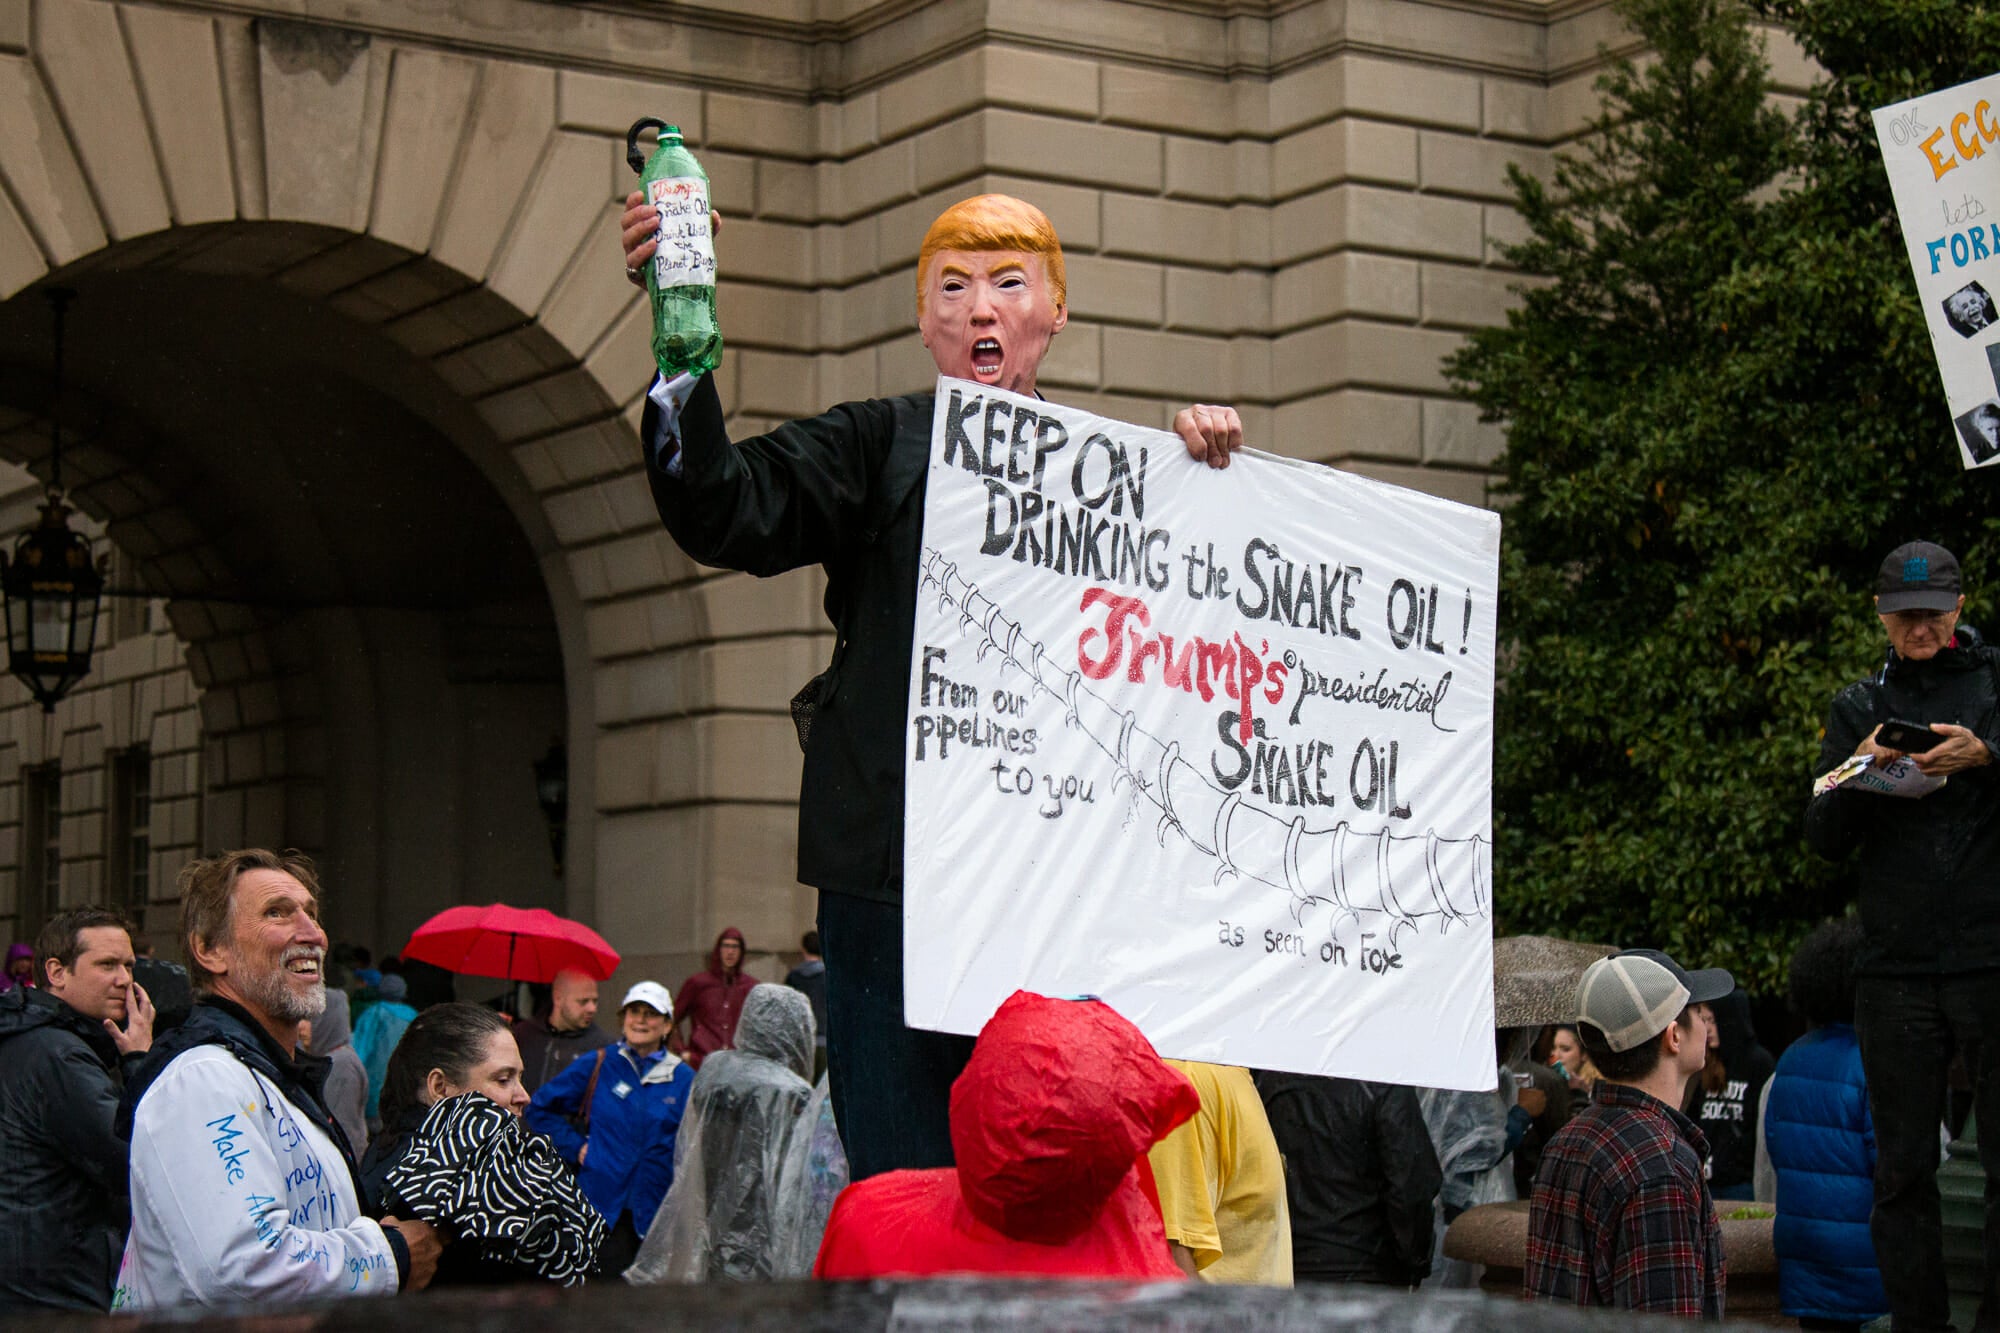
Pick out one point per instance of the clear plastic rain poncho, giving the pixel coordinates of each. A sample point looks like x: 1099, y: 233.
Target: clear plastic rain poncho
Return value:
x: 758, y: 1161
x: 1469, y: 1131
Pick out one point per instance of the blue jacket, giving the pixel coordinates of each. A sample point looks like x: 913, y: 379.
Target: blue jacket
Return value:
x: 635, y: 1115
x: 376, y: 1033
x: 1822, y: 1144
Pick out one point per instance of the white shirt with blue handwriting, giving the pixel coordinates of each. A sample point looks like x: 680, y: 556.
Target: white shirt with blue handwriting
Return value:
x: 238, y: 1197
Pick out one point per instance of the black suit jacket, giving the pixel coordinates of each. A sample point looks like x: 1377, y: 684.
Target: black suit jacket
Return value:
x: 843, y: 490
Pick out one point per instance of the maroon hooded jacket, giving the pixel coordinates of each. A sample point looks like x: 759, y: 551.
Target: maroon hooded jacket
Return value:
x: 711, y: 1002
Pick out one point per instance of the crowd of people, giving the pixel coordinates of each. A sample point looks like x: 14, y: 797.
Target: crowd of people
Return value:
x: 219, y: 1161
x: 264, y: 1147
x: 211, y: 1162
x: 245, y: 1152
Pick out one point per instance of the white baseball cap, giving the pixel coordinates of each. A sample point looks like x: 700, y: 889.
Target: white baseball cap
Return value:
x: 650, y: 993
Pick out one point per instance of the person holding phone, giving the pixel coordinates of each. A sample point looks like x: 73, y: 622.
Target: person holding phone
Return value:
x: 1928, y: 979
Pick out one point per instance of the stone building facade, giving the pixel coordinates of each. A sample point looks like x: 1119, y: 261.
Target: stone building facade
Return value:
x: 354, y: 375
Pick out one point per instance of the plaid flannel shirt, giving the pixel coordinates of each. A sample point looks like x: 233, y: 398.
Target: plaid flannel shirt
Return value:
x: 1621, y: 1214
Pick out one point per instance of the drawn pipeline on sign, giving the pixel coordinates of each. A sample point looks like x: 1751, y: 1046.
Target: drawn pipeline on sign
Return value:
x: 1413, y: 881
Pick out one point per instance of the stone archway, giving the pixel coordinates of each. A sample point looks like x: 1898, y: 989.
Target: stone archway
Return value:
x: 456, y: 210
x: 367, y: 619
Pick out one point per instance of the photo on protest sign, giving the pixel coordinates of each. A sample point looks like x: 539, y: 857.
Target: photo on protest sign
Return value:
x: 1942, y: 152
x: 1979, y: 431
x: 1212, y: 745
x: 1968, y: 310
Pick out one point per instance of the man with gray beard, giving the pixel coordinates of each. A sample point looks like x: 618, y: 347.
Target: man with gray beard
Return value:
x: 243, y: 1186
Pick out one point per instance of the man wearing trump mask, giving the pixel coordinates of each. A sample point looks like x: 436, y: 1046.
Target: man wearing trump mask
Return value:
x: 845, y: 490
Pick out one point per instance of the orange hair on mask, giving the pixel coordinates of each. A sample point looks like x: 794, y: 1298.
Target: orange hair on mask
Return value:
x: 995, y: 222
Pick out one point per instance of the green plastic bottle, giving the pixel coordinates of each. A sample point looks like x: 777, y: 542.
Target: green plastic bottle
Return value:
x: 680, y: 278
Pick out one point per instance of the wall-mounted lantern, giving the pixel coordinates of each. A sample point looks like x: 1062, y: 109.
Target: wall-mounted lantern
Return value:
x: 52, y: 584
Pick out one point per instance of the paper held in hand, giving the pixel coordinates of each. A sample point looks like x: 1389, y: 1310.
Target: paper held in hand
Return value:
x: 1862, y: 773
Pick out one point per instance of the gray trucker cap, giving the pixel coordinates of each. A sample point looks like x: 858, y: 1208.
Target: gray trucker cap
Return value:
x: 1631, y: 996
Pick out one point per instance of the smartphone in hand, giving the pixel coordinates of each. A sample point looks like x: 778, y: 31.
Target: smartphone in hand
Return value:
x: 1909, y: 737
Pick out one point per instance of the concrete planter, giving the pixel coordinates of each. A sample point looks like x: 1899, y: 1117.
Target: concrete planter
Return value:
x: 1496, y: 1235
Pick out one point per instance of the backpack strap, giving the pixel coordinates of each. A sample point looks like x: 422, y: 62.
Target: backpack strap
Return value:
x: 590, y: 1091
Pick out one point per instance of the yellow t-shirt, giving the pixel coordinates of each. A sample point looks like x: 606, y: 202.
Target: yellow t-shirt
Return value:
x: 1222, y: 1182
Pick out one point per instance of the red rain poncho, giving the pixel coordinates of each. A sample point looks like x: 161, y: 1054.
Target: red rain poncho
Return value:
x: 1050, y: 1123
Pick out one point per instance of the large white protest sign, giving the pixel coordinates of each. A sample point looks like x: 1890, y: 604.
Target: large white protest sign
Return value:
x: 1943, y: 155
x: 1215, y: 746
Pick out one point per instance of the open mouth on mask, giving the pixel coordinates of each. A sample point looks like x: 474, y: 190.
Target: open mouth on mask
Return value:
x: 986, y: 357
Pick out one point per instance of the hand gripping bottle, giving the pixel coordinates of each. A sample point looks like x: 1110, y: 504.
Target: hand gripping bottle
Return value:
x: 680, y: 279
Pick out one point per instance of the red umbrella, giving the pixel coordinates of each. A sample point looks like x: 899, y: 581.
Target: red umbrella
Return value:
x: 519, y: 944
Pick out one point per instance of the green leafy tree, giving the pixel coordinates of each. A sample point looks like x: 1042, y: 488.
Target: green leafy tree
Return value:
x: 1721, y: 411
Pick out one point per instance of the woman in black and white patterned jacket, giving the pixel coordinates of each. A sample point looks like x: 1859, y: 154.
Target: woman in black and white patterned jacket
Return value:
x: 455, y: 1151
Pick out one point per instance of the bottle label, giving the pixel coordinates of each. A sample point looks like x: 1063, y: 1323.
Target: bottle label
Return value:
x: 686, y: 253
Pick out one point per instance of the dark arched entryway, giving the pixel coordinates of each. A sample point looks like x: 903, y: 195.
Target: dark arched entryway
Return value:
x: 355, y: 569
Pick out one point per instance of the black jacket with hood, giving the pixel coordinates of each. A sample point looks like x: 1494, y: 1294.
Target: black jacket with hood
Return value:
x: 64, y: 1212
x: 1929, y: 868
x: 1728, y: 1114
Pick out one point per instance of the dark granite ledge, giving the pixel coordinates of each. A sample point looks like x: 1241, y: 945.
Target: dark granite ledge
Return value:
x: 806, y: 1307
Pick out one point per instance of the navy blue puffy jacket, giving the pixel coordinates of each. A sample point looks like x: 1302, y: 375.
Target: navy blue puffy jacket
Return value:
x: 1822, y: 1142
